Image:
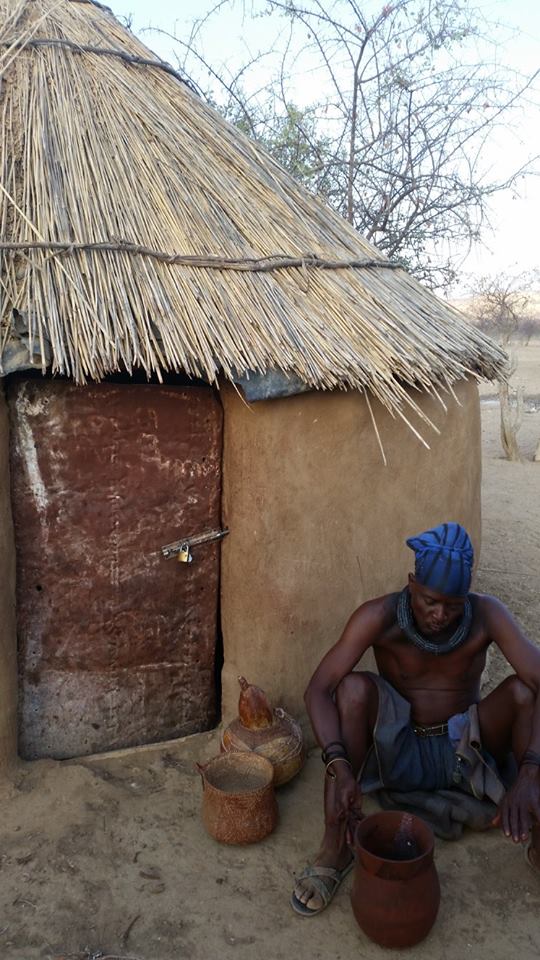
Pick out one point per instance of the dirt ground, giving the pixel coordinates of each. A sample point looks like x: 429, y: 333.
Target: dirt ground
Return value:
x: 510, y: 555
x: 109, y: 859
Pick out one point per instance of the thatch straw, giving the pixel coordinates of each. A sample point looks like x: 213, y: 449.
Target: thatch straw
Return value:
x: 132, y: 220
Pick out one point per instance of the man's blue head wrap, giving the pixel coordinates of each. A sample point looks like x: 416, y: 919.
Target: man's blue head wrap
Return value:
x: 443, y: 559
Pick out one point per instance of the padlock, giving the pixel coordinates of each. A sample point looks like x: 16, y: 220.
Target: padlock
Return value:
x: 184, y: 555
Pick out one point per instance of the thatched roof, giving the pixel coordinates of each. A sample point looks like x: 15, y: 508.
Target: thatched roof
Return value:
x: 138, y: 228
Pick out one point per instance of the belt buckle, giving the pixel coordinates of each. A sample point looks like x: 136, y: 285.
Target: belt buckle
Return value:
x: 431, y: 730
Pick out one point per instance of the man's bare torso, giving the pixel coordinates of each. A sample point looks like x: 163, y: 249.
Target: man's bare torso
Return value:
x: 435, y: 686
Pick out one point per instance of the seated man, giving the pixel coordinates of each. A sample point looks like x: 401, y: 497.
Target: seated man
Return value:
x: 420, y: 724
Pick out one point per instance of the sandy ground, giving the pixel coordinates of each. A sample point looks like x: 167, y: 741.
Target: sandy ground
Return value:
x: 109, y: 858
x: 510, y: 555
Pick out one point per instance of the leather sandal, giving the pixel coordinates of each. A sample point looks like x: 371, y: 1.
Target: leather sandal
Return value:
x: 325, y: 881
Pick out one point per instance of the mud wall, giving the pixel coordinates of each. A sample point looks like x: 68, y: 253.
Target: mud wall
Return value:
x: 8, y: 635
x: 318, y: 523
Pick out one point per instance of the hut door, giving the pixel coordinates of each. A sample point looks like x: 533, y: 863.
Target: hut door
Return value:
x: 116, y: 644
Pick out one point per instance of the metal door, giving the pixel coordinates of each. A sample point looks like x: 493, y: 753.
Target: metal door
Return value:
x: 116, y: 643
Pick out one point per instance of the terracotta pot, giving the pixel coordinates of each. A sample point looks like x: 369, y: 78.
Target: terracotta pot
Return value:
x: 239, y: 804
x: 395, y: 894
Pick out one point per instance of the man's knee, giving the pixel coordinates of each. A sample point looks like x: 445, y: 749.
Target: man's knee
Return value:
x: 354, y: 693
x: 522, y: 696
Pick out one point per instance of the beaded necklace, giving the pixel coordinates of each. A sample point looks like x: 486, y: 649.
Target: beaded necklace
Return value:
x: 405, y: 621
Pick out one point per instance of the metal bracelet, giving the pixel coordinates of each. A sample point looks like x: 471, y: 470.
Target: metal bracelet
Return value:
x: 327, y: 753
x: 330, y: 773
x: 530, y: 756
x: 334, y: 755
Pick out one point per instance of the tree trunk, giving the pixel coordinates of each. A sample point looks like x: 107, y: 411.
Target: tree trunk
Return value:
x: 511, y: 418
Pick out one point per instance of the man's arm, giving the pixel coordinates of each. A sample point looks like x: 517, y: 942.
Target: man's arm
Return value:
x: 363, y: 629
x: 521, y: 805
x: 521, y: 653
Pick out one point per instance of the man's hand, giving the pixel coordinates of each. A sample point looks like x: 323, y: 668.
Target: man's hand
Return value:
x: 520, y: 807
x: 347, y: 795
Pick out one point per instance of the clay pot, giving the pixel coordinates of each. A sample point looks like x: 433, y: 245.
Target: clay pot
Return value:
x: 395, y: 894
x: 239, y: 804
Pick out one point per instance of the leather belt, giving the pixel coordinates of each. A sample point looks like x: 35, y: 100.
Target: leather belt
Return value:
x: 430, y: 729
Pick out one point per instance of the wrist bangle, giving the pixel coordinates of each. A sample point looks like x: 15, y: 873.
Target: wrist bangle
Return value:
x: 333, y: 755
x: 334, y: 743
x: 330, y: 773
x: 327, y: 753
x: 530, y: 757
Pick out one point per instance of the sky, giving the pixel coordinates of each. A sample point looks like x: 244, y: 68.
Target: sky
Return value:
x: 512, y: 246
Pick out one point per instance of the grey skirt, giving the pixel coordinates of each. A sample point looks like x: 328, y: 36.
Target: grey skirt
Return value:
x: 401, y: 760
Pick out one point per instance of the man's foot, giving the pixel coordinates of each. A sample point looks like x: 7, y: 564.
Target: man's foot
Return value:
x: 321, y: 885
x: 317, y: 884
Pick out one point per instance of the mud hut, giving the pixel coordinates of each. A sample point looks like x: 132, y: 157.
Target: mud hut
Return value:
x: 191, y: 344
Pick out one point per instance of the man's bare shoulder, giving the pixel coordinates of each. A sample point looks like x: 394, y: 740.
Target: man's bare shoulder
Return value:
x: 379, y: 612
x: 486, y: 606
x: 497, y: 620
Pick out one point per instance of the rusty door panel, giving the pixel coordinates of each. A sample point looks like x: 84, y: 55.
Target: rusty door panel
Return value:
x: 116, y: 644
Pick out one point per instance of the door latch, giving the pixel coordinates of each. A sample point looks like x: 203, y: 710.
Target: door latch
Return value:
x: 181, y: 549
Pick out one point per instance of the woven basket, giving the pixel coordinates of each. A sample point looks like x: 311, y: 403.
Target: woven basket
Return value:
x: 239, y: 804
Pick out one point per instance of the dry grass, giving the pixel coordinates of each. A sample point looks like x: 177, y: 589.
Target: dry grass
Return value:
x: 95, y: 149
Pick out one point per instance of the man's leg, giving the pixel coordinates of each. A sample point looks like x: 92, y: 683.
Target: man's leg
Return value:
x: 505, y: 718
x: 357, y: 703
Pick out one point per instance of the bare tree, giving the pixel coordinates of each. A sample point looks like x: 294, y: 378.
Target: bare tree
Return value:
x: 500, y: 304
x: 398, y: 137
x: 511, y: 419
x: 529, y: 328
